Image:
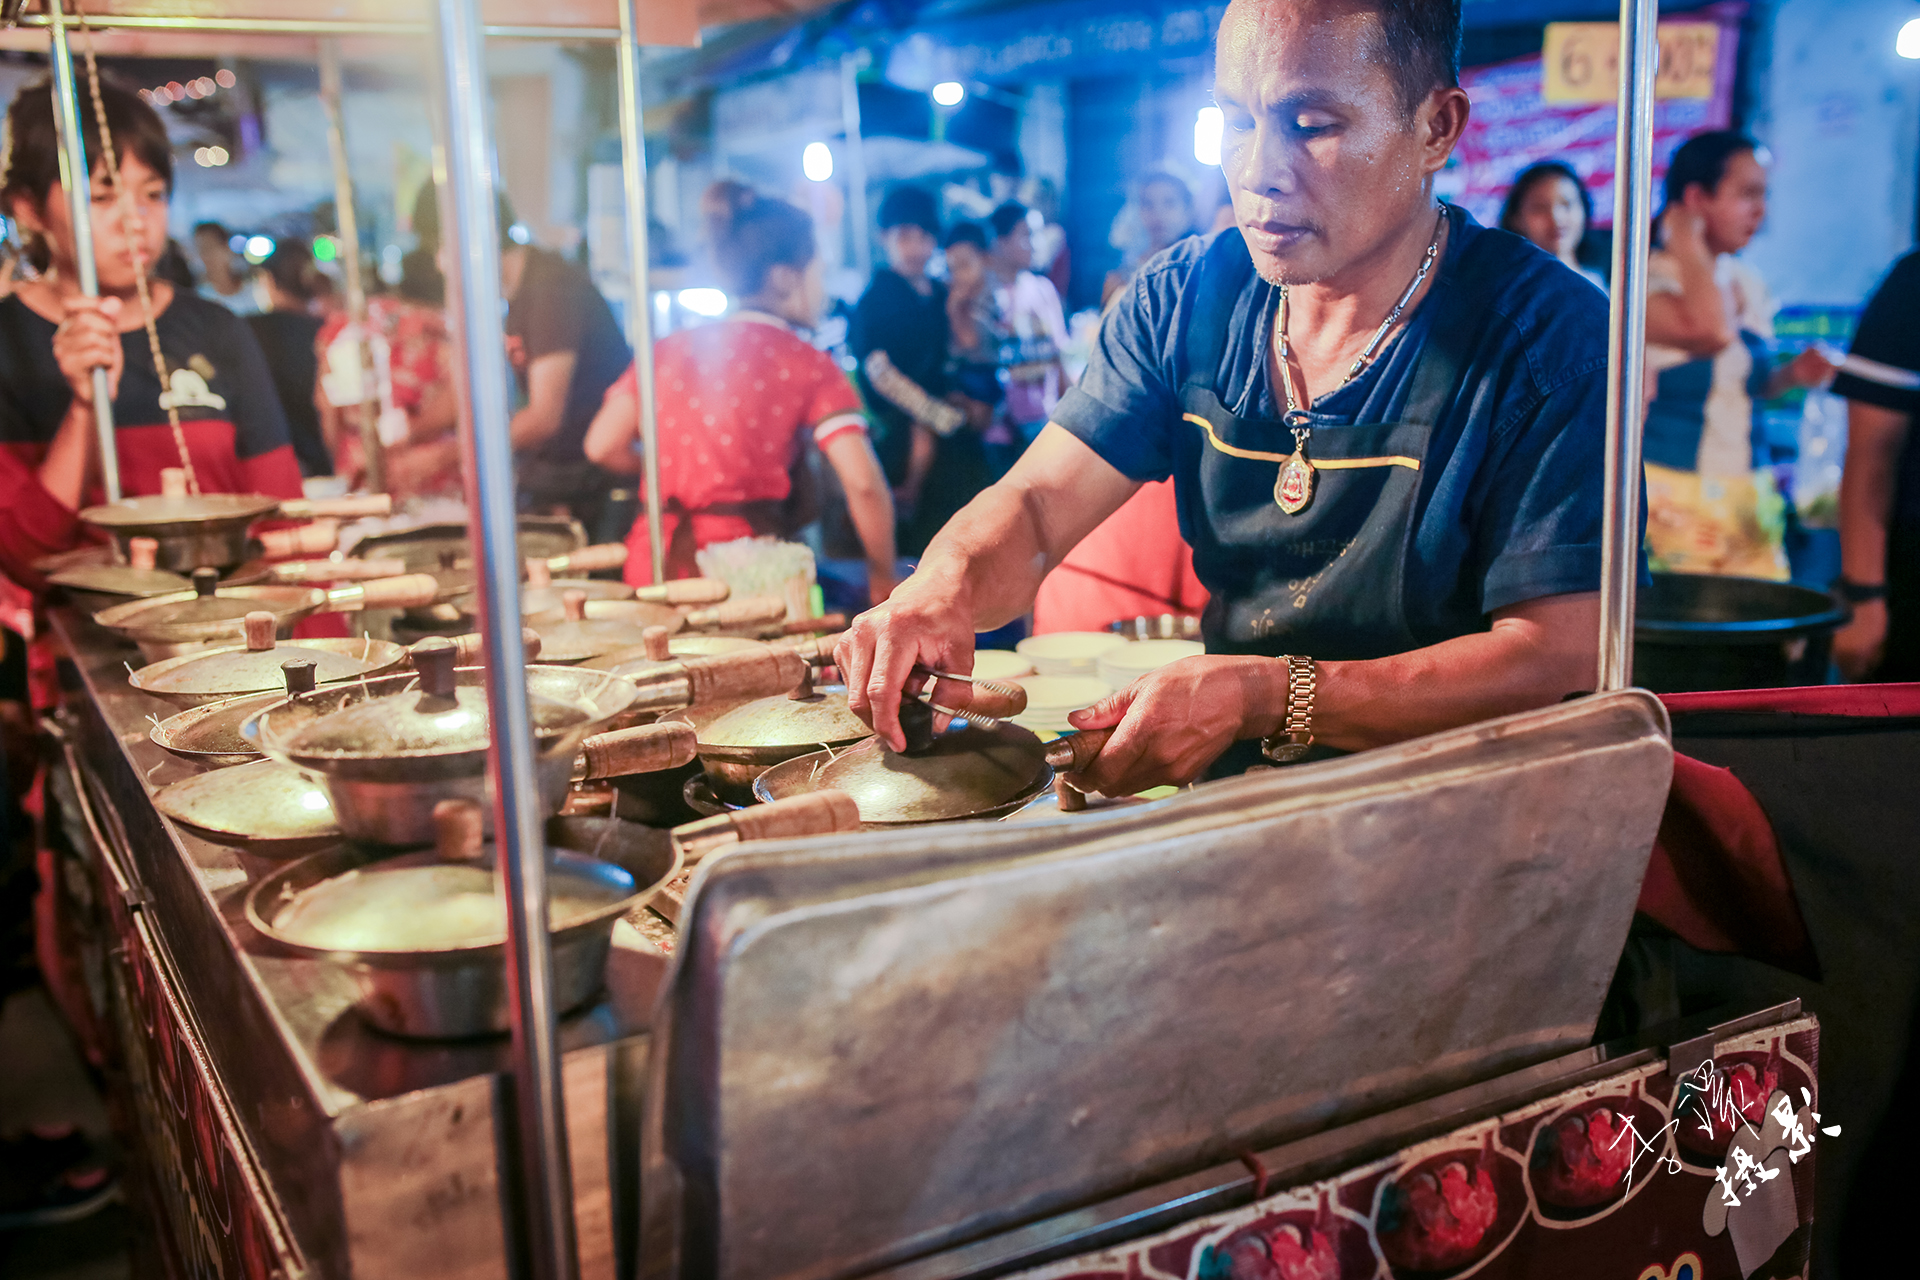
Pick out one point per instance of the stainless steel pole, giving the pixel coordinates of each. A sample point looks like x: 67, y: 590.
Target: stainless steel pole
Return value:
x: 633, y: 169
x: 1627, y: 339
x: 77, y: 180
x: 480, y: 344
x: 347, y: 223
x: 857, y: 214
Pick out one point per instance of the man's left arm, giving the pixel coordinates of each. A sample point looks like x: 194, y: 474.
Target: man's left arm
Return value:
x: 548, y: 379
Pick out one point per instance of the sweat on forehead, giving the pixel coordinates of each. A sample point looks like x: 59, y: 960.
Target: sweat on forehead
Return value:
x: 1414, y: 43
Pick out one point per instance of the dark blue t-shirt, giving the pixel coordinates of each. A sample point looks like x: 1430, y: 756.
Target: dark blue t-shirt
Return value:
x: 1510, y: 495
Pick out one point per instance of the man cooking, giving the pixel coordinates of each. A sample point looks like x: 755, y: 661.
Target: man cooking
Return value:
x: 1384, y: 424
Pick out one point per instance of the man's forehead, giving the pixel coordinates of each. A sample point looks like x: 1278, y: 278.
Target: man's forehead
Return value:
x: 1279, y: 47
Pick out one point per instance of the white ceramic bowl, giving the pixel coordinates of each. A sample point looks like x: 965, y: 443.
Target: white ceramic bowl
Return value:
x: 1000, y: 664
x: 1121, y: 666
x: 1067, y: 653
x: 1051, y: 699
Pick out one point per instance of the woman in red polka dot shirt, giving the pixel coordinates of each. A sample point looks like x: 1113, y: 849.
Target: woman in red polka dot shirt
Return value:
x: 735, y: 401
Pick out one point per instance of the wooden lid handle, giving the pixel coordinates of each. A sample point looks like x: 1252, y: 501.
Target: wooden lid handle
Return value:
x: 538, y: 575
x: 746, y: 673
x: 646, y: 748
x: 820, y: 813
x: 315, y: 539
x: 602, y: 555
x: 259, y: 627
x: 337, y: 570
x: 751, y: 612
x: 686, y: 591
x: 352, y: 508
x: 995, y: 698
x: 1075, y: 752
x: 143, y: 552
x: 459, y: 830
x: 407, y: 591
x: 658, y: 642
x: 470, y: 649
x: 573, y: 601
x: 173, y: 482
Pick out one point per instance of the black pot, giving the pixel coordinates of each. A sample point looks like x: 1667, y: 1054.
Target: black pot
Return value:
x: 1697, y: 631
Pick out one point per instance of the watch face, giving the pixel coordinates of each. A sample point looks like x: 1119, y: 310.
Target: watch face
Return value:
x: 1286, y: 752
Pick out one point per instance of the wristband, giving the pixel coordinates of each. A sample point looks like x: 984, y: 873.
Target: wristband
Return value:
x: 1860, y: 593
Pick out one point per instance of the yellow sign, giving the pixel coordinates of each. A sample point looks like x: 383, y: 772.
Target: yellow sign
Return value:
x: 1581, y: 62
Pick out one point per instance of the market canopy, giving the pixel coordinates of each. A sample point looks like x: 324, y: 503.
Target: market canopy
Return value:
x: 288, y: 28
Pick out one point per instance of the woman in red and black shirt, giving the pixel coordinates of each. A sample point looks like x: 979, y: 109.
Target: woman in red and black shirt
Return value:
x: 51, y: 338
x: 737, y: 401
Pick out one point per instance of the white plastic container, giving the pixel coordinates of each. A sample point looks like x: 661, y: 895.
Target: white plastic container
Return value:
x: 1051, y: 699
x: 1000, y: 664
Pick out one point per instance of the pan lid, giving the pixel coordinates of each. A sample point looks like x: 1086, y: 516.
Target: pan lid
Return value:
x: 441, y: 899
x: 265, y: 806
x: 207, y: 602
x: 439, y: 714
x: 261, y: 664
x: 805, y: 717
x: 661, y: 649
x: 161, y: 513
x: 121, y: 580
x: 551, y: 596
x: 577, y: 637
x: 973, y: 772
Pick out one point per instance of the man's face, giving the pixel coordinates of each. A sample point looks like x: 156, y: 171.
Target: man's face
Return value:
x: 1323, y: 164
x: 908, y: 247
x: 1014, y: 250
x: 1732, y: 212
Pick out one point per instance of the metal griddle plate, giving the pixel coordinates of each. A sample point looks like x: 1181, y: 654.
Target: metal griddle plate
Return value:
x: 210, y: 734
x: 967, y: 773
x: 265, y: 807
x: 878, y: 1046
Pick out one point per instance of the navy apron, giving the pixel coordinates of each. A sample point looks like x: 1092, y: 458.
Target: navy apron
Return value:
x: 1329, y: 581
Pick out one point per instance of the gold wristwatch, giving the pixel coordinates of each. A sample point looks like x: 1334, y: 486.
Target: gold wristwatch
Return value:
x: 1290, y: 741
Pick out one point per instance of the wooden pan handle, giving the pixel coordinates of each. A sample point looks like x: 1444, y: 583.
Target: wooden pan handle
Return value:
x: 750, y: 612
x: 603, y: 555
x: 686, y: 591
x: 816, y: 650
x: 720, y: 677
x: 1077, y: 751
x: 408, y: 591
x: 830, y: 622
x: 646, y: 748
x: 366, y: 504
x: 470, y: 649
x: 821, y: 813
x: 315, y: 539
x: 995, y: 698
x: 337, y: 570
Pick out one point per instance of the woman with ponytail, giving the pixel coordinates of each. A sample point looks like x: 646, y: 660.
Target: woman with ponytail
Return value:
x: 738, y: 400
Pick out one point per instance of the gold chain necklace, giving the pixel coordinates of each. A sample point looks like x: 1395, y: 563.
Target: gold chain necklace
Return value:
x: 1293, y: 489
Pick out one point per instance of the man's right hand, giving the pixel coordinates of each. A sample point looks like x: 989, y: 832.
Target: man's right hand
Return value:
x: 1859, y: 646
x: 926, y: 622
x: 88, y: 338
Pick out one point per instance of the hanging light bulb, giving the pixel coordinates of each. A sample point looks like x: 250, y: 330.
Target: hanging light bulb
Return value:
x: 1907, y: 43
x: 1208, y: 127
x: 817, y: 162
x: 949, y: 93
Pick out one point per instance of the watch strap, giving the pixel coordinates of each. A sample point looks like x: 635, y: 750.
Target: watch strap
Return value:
x: 1290, y: 741
x: 1860, y: 592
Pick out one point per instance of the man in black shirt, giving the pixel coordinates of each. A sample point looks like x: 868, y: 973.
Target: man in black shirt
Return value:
x: 900, y: 336
x: 567, y: 350
x: 1880, y: 489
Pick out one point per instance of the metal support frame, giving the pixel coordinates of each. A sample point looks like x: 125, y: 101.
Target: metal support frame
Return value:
x: 347, y: 223
x: 317, y: 27
x: 857, y: 212
x: 519, y: 840
x: 77, y: 180
x: 633, y: 172
x: 1627, y: 340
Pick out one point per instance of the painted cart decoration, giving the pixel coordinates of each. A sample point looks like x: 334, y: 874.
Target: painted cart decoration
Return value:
x: 1634, y: 1176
